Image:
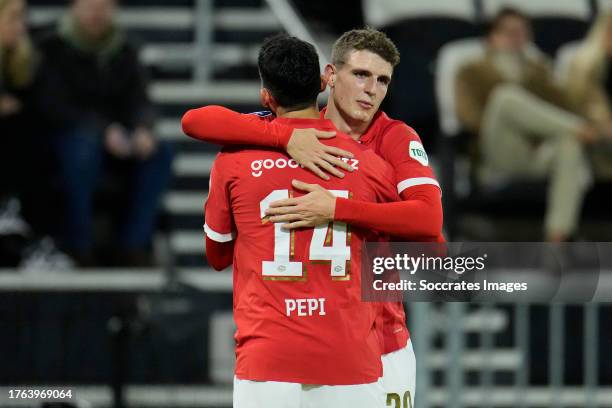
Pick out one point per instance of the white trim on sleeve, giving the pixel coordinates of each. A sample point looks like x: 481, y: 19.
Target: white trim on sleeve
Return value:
x: 216, y: 236
x: 417, y: 181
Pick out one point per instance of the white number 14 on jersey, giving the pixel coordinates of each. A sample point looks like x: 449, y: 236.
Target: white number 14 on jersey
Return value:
x: 338, y: 253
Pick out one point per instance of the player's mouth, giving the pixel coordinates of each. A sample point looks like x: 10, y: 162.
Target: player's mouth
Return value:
x: 365, y: 105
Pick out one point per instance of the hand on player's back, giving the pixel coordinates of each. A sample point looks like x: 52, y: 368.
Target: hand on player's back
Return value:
x: 305, y: 148
x: 315, y: 208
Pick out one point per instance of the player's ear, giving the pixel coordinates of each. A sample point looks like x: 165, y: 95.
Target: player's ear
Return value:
x: 323, y: 83
x: 264, y: 97
x: 267, y: 100
x: 330, y: 74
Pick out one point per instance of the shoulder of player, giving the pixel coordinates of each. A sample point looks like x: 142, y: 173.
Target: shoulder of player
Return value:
x: 398, y: 129
x: 389, y: 128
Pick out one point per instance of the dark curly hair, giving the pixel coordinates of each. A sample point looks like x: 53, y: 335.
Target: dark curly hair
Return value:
x: 289, y: 69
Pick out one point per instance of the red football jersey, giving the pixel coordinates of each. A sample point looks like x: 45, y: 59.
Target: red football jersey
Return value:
x: 297, y: 295
x: 400, y: 146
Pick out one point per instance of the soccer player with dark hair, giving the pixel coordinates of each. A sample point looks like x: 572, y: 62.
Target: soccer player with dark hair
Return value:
x: 359, y: 76
x: 305, y: 338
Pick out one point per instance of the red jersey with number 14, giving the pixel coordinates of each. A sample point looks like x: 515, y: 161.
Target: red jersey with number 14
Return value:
x: 297, y: 295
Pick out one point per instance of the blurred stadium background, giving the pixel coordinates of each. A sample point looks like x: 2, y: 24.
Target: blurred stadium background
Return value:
x: 162, y: 336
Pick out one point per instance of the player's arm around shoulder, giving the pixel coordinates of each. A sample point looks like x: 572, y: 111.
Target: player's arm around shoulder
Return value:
x: 223, y: 126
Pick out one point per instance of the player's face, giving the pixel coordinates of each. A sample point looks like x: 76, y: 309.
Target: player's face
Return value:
x: 360, y: 85
x: 12, y: 23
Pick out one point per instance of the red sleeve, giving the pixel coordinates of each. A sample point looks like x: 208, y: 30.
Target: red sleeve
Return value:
x: 216, y: 124
x: 218, y: 221
x: 402, y: 148
x: 416, y: 214
x: 417, y: 218
x: 220, y: 255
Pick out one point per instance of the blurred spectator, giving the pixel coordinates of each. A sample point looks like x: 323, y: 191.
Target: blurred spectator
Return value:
x: 589, y: 84
x: 93, y: 93
x: 17, y: 149
x: 16, y: 76
x: 526, y: 129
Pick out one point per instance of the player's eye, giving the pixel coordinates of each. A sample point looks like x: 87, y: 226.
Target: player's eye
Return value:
x: 360, y: 74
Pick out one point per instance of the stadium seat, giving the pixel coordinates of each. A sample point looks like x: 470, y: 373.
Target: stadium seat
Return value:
x: 381, y: 13
x: 463, y: 197
x: 450, y: 59
x: 487, y: 208
x: 419, y: 29
x: 594, y: 207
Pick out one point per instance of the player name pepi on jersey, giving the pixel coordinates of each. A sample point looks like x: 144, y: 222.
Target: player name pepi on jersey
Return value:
x: 305, y: 307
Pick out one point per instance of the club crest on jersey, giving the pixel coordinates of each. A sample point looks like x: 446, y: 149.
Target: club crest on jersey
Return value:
x: 417, y: 152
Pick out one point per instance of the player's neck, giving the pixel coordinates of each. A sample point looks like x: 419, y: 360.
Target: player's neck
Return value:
x: 345, y: 124
x: 311, y: 112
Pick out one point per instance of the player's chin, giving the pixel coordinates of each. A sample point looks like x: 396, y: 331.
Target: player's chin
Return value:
x: 362, y: 115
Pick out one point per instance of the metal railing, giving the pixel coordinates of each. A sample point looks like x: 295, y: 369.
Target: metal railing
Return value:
x: 455, y: 393
x: 453, y: 322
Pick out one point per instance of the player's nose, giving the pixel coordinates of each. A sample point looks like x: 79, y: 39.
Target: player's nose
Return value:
x: 370, y: 88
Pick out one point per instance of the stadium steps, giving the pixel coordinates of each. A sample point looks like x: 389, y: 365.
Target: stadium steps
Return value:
x: 166, y: 36
x: 172, y: 18
x: 183, y: 55
x: 185, y: 202
x: 193, y: 164
x: 220, y: 92
x: 478, y: 321
x: 239, y: 28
